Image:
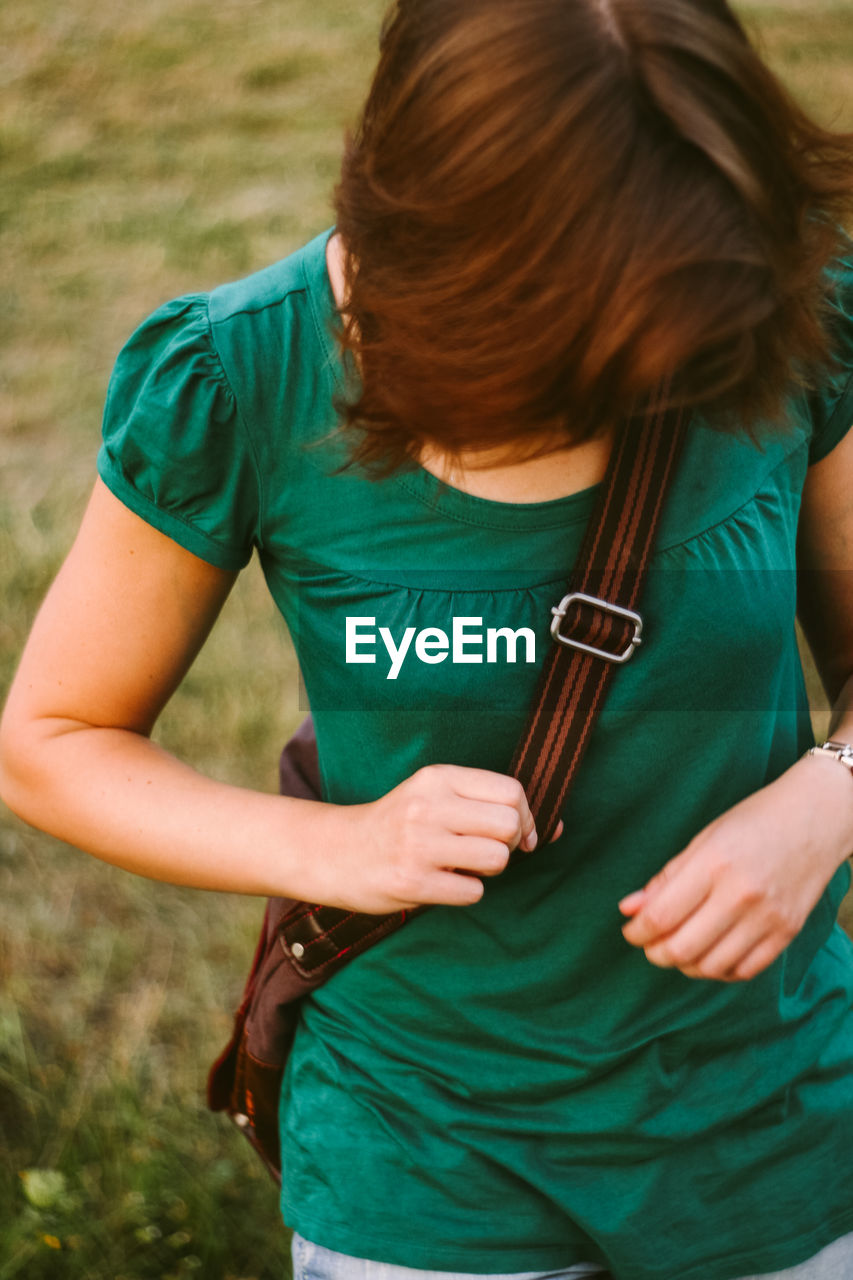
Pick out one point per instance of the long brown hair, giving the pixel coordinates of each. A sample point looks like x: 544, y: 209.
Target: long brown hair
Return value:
x: 550, y: 205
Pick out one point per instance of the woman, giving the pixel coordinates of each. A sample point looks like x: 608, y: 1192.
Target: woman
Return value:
x: 547, y: 209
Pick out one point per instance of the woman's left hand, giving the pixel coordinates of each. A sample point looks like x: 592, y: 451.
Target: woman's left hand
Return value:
x: 728, y: 904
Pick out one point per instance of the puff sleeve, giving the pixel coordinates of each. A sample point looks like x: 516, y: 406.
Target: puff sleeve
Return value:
x: 831, y: 409
x: 175, y: 450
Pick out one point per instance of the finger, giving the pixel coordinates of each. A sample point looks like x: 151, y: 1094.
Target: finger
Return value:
x: 710, y: 942
x: 753, y: 963
x: 760, y: 957
x: 631, y: 904
x: 633, y: 901
x: 474, y: 855
x: 529, y: 835
x: 529, y: 841
x: 481, y: 818
x: 495, y: 788
x: 722, y: 960
x: 453, y: 889
x: 483, y: 784
x: 675, y: 894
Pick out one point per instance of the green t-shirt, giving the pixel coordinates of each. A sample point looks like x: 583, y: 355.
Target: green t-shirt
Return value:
x: 512, y: 1086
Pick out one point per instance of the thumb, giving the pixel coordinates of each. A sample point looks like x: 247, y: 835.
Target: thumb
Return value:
x: 632, y: 902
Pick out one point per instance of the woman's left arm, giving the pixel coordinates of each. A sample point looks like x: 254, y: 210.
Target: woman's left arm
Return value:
x: 732, y: 900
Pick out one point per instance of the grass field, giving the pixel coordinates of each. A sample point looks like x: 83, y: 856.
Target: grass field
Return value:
x: 148, y: 149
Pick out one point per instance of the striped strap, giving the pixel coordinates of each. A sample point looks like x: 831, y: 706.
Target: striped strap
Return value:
x: 611, y: 568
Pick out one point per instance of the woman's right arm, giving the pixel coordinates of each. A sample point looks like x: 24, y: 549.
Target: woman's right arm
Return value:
x: 117, y: 632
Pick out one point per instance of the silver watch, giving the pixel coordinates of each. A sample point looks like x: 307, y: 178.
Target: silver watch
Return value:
x: 840, y: 751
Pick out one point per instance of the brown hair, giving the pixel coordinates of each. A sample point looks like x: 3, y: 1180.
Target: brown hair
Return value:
x: 550, y: 205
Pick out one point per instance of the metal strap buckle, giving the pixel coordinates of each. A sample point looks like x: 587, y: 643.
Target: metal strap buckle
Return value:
x: 559, y: 612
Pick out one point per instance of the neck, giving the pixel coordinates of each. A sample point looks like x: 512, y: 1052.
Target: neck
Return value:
x: 335, y: 266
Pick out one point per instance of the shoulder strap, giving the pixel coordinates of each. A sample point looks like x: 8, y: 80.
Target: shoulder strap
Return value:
x: 595, y: 628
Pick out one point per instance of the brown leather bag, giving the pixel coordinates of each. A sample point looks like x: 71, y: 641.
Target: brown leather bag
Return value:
x: 595, y: 628
x: 246, y: 1078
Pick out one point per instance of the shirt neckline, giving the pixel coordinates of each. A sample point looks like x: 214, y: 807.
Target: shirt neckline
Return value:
x: 444, y: 498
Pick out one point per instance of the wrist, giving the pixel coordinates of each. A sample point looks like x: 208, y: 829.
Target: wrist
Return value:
x: 830, y: 787
x: 325, y: 844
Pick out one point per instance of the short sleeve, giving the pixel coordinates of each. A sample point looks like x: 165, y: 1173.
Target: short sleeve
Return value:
x: 174, y: 448
x: 832, y: 406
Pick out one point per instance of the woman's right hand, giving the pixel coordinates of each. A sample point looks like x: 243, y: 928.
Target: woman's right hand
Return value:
x: 429, y: 840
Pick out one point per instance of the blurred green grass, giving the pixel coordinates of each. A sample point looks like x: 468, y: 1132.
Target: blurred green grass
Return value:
x: 148, y: 149
x: 145, y: 149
